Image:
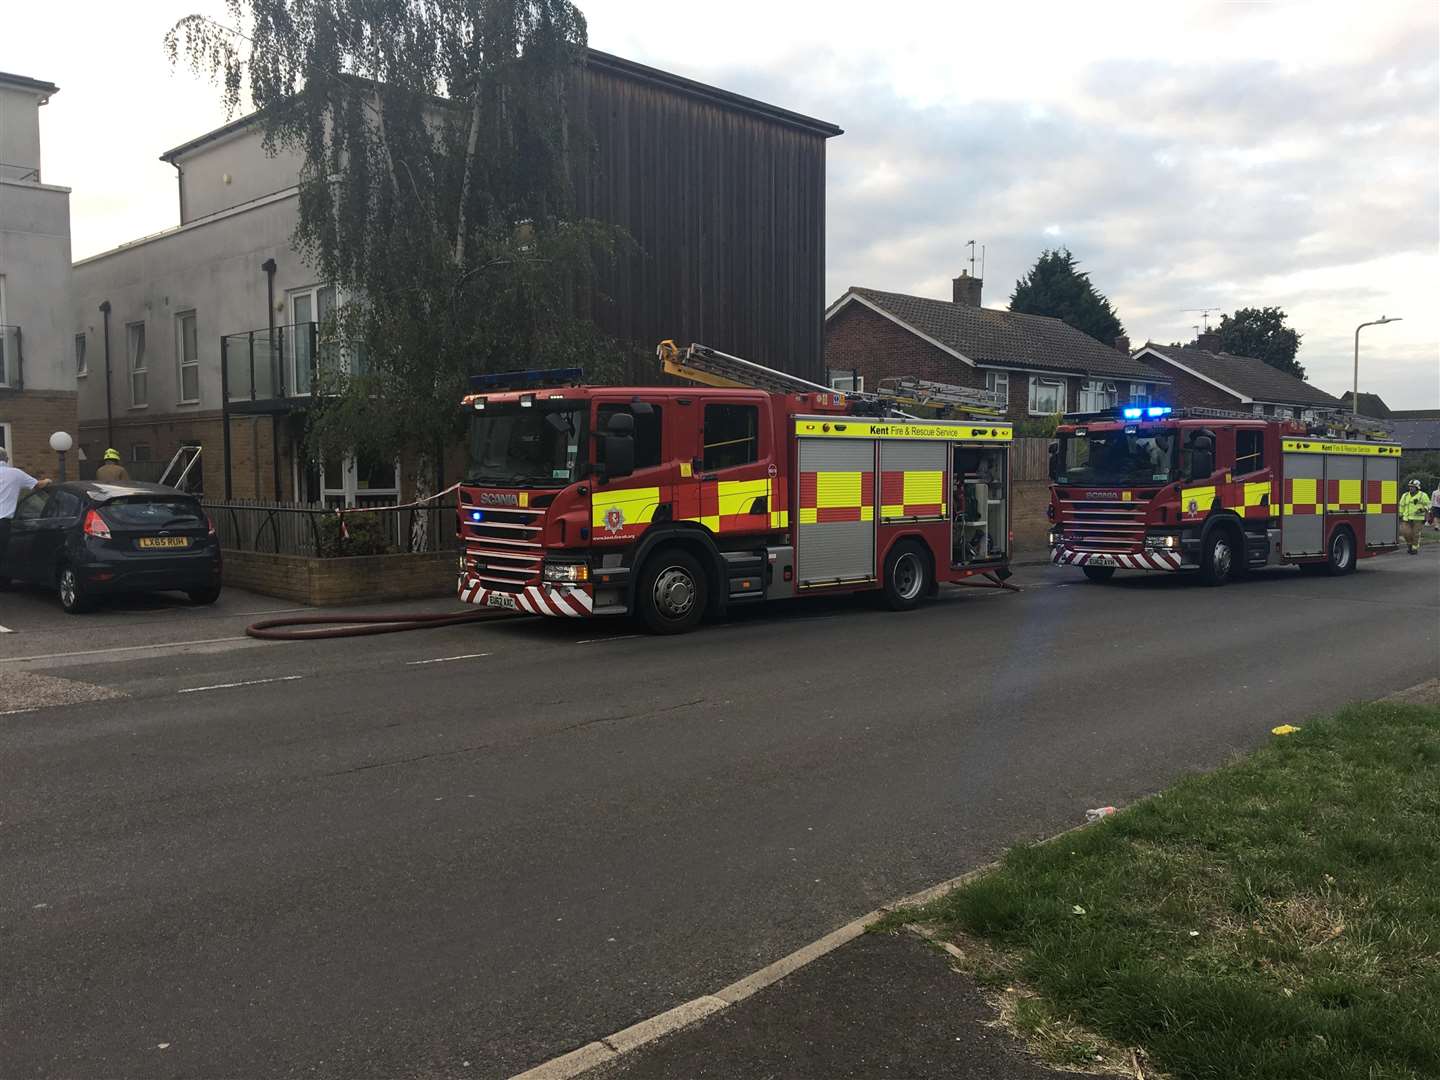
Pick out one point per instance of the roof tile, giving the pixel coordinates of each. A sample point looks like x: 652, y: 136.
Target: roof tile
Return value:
x: 1247, y: 377
x: 1007, y: 338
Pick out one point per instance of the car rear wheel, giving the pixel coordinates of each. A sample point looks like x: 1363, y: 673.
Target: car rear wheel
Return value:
x: 204, y: 596
x: 72, y: 592
x: 1099, y: 573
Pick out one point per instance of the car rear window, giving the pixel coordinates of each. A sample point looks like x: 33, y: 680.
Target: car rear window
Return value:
x: 139, y: 512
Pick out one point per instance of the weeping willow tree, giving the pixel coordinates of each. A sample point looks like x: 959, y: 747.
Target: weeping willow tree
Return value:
x: 440, y: 153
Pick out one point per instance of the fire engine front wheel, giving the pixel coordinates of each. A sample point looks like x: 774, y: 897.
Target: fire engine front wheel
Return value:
x: 1217, y: 561
x: 671, y: 596
x: 907, y: 576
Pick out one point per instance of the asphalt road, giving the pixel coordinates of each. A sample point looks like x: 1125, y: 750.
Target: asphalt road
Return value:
x: 386, y: 867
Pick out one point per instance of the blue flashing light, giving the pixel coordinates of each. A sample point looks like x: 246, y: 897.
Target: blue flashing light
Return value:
x: 1157, y: 411
x: 516, y: 380
x: 477, y: 515
x: 1132, y: 413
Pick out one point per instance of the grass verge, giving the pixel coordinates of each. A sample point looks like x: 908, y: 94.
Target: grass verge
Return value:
x: 1278, y: 918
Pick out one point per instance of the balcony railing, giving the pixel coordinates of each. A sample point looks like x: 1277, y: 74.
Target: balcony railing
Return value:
x: 12, y: 358
x: 284, y: 364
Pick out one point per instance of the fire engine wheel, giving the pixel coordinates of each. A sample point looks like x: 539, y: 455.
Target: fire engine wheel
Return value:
x: 1217, y: 562
x: 671, y: 596
x: 1340, y: 556
x: 1099, y: 573
x: 907, y: 576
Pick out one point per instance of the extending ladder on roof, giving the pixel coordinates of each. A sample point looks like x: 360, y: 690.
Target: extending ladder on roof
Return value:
x: 943, y: 398
x: 711, y: 367
x: 181, y: 466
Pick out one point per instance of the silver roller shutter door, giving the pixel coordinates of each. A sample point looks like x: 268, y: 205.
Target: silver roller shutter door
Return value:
x: 1303, y: 534
x: 1382, y: 529
x: 831, y: 551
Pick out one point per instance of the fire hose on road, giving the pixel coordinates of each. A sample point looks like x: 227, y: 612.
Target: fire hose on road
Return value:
x: 338, y: 626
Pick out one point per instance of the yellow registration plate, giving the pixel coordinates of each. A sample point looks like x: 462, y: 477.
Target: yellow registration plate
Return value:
x: 164, y: 541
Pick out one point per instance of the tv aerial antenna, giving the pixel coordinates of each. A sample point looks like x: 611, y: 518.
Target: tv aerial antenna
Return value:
x: 1204, y: 314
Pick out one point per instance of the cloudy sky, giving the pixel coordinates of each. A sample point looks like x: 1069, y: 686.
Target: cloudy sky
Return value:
x: 1192, y: 155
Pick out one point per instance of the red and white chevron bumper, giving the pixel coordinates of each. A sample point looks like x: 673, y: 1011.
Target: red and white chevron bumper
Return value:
x: 565, y: 601
x: 1061, y: 555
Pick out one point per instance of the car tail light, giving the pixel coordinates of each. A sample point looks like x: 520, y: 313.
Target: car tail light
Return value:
x: 95, y: 526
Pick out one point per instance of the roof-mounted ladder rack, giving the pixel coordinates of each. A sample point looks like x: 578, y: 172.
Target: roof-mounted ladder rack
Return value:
x: 711, y: 367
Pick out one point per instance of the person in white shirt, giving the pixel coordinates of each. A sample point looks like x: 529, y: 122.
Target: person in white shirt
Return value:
x: 13, y: 483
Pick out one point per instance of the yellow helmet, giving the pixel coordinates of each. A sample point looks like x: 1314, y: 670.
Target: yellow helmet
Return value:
x: 112, y: 454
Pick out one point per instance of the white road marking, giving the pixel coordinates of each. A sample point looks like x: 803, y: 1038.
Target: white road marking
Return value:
x: 16, y: 712
x: 6, y: 630
x: 598, y: 640
x: 121, y: 648
x: 232, y: 685
x: 447, y: 659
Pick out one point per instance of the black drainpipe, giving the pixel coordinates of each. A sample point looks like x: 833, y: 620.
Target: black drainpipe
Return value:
x: 109, y: 412
x: 269, y: 267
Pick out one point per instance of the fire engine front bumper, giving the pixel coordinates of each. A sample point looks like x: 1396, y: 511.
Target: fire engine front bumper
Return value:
x: 1170, y: 561
x: 547, y: 598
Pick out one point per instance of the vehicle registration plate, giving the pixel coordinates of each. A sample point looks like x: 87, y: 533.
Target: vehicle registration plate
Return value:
x: 164, y: 541
x: 1101, y: 560
x: 500, y: 599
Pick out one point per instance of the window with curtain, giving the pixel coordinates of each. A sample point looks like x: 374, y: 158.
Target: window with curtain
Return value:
x: 135, y: 351
x: 188, y: 351
x: 1096, y: 395
x: 1047, y: 396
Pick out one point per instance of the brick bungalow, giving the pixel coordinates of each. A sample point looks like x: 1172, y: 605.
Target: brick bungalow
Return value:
x: 1040, y: 366
x: 1203, y: 375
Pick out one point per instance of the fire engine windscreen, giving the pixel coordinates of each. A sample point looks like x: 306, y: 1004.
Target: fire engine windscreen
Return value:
x: 1116, y: 457
x: 537, y: 446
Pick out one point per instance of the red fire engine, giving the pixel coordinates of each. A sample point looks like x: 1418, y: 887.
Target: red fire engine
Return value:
x: 1155, y: 488
x: 670, y: 502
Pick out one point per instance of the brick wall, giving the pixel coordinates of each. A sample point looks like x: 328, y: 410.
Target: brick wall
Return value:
x: 324, y: 582
x: 33, y: 416
x: 1185, y: 389
x: 251, y: 439
x: 859, y: 339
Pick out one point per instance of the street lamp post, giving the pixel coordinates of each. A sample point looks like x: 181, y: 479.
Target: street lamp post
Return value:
x: 61, y: 442
x: 1355, y: 390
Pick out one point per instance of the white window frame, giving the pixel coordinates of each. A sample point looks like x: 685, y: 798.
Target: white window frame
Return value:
x: 1038, y: 381
x: 1141, y: 393
x: 848, y: 384
x: 82, y: 357
x: 292, y: 361
x: 143, y: 370
x: 5, y: 441
x: 1097, y: 395
x: 350, y: 491
x: 181, y: 363
x: 998, y: 382
x: 4, y: 360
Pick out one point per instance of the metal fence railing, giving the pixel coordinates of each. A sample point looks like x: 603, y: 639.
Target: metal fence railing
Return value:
x: 313, y: 530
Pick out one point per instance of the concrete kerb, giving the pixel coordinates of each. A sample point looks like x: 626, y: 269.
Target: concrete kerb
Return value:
x: 648, y: 1031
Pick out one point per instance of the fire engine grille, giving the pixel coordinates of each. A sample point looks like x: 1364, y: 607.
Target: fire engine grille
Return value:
x: 1102, y: 526
x: 503, y: 549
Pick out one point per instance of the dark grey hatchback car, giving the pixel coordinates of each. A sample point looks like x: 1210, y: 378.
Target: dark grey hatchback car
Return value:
x: 87, y: 539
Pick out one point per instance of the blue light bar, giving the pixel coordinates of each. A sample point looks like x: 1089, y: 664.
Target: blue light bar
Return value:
x: 1155, y: 411
x: 1132, y: 414
x: 516, y: 380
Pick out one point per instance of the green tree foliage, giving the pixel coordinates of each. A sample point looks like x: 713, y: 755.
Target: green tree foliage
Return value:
x: 441, y: 150
x: 1261, y: 333
x: 1055, y: 286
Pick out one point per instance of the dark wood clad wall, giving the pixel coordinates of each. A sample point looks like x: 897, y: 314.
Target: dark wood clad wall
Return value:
x: 728, y: 209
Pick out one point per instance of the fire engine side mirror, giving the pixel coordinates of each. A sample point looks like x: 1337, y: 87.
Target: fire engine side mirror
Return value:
x: 1202, y: 457
x: 619, y: 445
x: 1054, y: 461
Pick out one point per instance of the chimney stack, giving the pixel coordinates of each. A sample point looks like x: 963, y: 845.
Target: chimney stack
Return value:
x: 1209, y: 341
x: 1122, y: 344
x: 967, y: 290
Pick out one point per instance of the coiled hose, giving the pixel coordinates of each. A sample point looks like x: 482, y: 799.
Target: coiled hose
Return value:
x: 362, y: 625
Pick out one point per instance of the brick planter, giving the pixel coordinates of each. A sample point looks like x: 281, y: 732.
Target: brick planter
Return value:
x: 363, y: 579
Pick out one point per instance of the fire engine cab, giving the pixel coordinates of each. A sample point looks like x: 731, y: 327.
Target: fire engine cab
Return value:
x: 671, y: 502
x: 1217, y: 492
